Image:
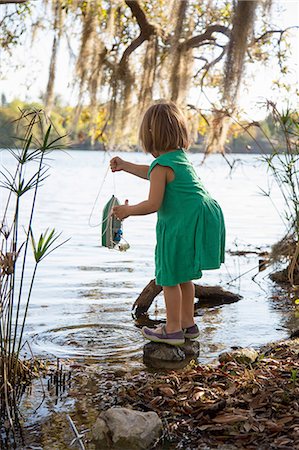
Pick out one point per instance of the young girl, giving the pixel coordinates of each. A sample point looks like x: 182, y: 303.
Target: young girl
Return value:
x: 190, y: 229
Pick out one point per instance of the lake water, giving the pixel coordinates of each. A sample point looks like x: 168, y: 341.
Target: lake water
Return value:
x: 83, y: 295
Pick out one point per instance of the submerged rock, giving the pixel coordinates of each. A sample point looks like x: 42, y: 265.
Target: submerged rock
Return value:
x: 126, y: 429
x: 242, y: 355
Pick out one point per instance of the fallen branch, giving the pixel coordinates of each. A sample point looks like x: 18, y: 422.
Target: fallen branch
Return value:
x: 208, y: 296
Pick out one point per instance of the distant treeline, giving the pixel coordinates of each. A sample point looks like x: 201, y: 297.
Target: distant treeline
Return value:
x: 244, y: 137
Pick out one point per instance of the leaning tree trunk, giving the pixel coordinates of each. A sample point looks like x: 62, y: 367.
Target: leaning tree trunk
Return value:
x: 49, y: 97
x: 243, y: 22
x: 84, y: 65
x: 175, y: 55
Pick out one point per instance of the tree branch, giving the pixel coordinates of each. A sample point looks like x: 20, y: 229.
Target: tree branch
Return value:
x: 146, y: 30
x: 272, y: 32
x: 207, y: 66
x: 195, y: 41
x: 131, y: 48
x: 5, y: 2
x: 138, y: 13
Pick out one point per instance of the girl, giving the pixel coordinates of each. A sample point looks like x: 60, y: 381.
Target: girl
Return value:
x: 190, y: 229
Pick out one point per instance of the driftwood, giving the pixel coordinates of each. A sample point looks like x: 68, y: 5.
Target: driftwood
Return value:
x: 207, y: 295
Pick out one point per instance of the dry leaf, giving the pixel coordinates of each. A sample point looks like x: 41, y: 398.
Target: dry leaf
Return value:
x: 166, y: 391
x: 229, y: 418
x: 198, y: 395
x: 247, y: 426
x: 231, y: 389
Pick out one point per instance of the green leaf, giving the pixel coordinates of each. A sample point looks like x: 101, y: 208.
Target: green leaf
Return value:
x: 45, y: 244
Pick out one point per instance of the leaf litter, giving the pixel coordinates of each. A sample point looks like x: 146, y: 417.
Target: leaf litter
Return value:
x: 232, y: 405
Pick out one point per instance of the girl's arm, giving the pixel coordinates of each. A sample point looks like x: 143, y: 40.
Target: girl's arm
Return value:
x: 139, y: 170
x: 158, y: 179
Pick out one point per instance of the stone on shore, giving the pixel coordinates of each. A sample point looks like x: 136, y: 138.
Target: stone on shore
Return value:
x: 166, y: 352
x: 126, y: 429
x: 242, y: 355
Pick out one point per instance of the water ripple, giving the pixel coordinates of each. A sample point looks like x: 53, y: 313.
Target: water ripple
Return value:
x: 98, y: 341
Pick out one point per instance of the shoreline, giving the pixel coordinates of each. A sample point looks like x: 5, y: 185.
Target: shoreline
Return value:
x: 226, y: 403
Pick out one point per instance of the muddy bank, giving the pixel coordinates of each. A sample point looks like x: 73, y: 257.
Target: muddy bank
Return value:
x: 235, y: 403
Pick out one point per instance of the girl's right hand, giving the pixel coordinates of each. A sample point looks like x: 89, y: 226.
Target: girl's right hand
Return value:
x: 117, y: 164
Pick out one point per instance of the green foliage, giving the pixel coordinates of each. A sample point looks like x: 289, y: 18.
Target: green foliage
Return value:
x: 45, y: 243
x: 13, y: 24
x: 36, y: 142
x: 294, y: 375
x: 12, y: 134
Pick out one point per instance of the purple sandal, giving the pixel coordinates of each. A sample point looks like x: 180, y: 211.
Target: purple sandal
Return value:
x: 162, y: 336
x: 191, y: 332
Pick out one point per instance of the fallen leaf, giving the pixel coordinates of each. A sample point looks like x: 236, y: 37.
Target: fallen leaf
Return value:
x: 229, y: 418
x: 285, y: 420
x: 273, y: 426
x: 166, y: 391
x: 231, y: 389
x: 198, y: 395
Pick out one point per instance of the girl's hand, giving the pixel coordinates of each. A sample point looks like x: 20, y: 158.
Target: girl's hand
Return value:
x: 117, y: 164
x: 122, y: 211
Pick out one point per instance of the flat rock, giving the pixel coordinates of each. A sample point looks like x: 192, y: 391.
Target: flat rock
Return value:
x: 191, y: 348
x: 166, y: 352
x: 242, y: 355
x: 126, y: 429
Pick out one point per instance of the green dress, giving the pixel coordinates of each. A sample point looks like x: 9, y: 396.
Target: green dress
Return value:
x: 190, y: 228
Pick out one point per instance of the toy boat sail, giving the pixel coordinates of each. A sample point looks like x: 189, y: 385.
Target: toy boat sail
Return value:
x: 112, y: 233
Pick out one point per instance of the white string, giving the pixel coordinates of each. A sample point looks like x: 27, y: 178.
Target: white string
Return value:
x: 114, y: 183
x: 97, y: 197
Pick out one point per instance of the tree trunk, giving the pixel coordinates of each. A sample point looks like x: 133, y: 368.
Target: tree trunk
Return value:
x: 57, y: 27
x: 85, y: 58
x: 175, y: 53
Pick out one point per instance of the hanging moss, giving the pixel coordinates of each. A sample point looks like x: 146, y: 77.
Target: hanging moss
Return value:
x: 243, y: 21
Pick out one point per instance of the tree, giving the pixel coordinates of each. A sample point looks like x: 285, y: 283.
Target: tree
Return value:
x: 57, y: 28
x: 243, y: 21
x: 134, y: 51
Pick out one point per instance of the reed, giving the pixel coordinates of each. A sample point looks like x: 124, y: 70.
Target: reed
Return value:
x: 38, y: 139
x: 283, y: 166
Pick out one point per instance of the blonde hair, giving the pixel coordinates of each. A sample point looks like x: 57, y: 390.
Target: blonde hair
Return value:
x: 163, y: 128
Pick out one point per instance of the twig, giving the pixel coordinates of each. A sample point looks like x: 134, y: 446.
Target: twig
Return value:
x: 78, y: 438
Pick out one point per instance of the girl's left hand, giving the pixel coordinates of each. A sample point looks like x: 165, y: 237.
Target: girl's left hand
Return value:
x: 122, y: 211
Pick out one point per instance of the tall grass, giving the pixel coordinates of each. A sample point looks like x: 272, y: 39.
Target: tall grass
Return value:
x: 37, y: 141
x: 283, y: 166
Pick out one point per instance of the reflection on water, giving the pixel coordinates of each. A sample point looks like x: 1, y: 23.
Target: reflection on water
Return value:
x: 81, y: 304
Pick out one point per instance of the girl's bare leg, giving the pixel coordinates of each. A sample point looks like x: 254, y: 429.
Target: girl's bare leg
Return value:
x: 188, y: 292
x: 173, y: 302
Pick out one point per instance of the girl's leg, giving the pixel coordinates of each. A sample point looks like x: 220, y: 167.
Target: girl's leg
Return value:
x: 173, y: 303
x: 188, y: 291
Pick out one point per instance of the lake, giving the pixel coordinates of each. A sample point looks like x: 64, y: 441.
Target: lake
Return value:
x: 83, y: 295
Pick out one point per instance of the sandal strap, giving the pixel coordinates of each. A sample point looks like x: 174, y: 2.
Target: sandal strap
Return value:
x: 163, y: 329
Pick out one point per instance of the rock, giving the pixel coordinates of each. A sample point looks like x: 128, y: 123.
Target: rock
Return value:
x: 242, y: 355
x: 165, y: 356
x: 191, y: 348
x: 294, y: 334
x: 100, y: 434
x: 126, y: 429
x: 164, y: 352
